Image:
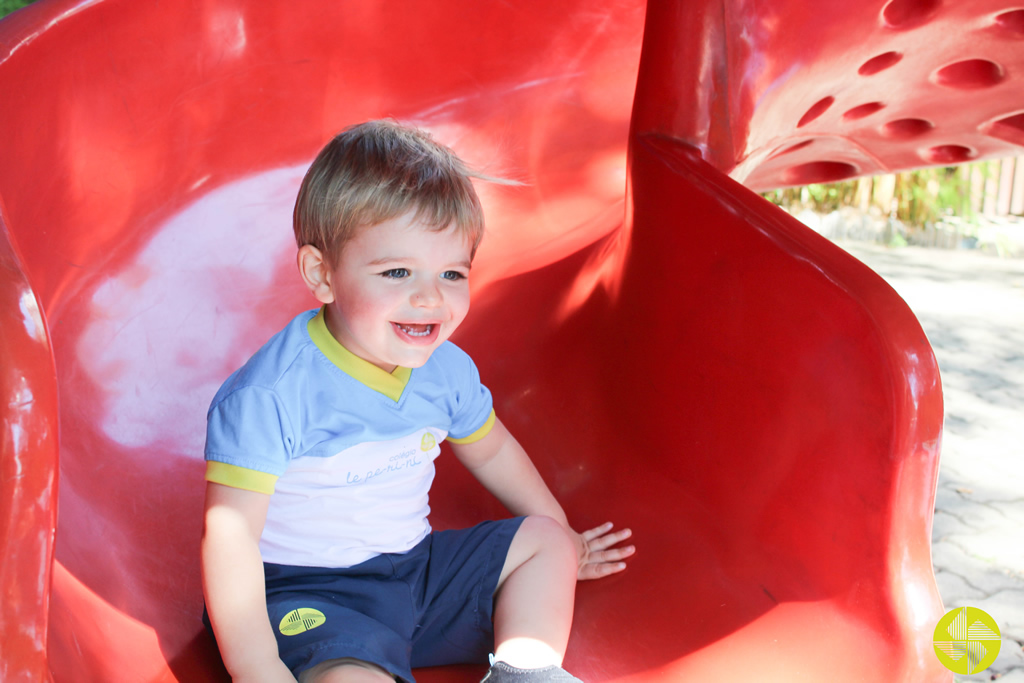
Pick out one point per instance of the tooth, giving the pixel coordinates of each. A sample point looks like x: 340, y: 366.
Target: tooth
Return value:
x: 412, y: 332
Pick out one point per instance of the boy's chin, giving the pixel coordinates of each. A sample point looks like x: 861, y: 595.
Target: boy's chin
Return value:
x: 416, y: 359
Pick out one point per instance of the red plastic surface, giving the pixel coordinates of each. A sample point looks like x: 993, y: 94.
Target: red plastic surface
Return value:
x: 791, y: 92
x: 678, y: 356
x: 28, y: 470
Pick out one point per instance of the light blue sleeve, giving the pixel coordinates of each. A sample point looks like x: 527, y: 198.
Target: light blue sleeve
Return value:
x: 250, y: 428
x: 473, y: 402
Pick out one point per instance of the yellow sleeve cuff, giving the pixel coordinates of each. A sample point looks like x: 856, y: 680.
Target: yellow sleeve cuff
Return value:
x: 478, y: 434
x: 239, y: 477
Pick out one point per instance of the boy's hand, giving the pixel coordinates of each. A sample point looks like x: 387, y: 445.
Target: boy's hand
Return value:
x: 596, y: 556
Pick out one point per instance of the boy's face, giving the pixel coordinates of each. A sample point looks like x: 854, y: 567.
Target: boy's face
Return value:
x: 399, y: 291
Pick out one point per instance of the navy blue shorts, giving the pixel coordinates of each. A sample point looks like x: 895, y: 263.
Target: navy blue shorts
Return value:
x: 430, y: 606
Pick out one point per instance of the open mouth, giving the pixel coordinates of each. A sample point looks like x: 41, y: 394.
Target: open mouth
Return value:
x: 414, y: 330
x: 417, y: 333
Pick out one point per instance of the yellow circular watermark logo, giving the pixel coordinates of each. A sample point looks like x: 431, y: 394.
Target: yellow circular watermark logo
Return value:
x: 301, y: 620
x: 427, y: 442
x: 967, y: 640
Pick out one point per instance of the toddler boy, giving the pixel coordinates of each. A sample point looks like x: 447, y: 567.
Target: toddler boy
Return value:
x: 319, y: 563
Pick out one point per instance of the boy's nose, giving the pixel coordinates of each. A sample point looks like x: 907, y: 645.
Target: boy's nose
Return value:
x: 427, y: 294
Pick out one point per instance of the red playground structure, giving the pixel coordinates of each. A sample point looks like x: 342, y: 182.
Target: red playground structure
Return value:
x: 676, y: 354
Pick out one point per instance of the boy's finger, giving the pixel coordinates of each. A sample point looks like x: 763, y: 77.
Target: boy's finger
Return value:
x: 612, y: 555
x: 608, y: 540
x: 597, y: 571
x: 591, y: 534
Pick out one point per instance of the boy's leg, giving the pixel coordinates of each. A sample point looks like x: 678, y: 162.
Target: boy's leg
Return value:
x: 345, y: 671
x: 336, y: 625
x: 534, y: 601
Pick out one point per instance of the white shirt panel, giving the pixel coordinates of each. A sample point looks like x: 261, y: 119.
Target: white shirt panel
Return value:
x: 383, y: 508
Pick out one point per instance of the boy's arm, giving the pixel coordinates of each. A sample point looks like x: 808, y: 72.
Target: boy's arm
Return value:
x: 503, y: 467
x: 234, y: 586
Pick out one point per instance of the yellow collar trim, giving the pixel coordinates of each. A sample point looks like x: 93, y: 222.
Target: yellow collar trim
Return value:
x: 390, y: 384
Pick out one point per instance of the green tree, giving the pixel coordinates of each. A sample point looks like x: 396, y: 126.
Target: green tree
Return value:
x: 8, y: 6
x: 922, y: 197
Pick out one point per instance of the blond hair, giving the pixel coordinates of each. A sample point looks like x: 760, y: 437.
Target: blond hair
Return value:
x: 379, y: 170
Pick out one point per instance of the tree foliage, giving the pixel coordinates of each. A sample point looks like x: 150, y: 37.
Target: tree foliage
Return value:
x: 916, y: 198
x: 8, y: 6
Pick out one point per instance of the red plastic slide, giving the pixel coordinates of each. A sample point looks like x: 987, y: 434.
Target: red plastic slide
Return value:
x: 677, y: 355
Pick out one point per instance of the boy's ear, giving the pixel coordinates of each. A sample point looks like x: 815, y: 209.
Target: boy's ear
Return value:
x: 315, y: 273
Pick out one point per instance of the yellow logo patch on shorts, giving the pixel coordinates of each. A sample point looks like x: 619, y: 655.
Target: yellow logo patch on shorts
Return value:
x: 301, y: 620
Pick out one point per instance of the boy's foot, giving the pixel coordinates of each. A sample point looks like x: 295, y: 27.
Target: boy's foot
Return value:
x: 503, y: 673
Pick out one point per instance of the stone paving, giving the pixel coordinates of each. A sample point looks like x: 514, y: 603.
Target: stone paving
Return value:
x: 971, y: 306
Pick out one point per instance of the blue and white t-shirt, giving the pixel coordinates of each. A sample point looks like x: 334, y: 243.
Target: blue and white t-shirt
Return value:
x: 345, y: 449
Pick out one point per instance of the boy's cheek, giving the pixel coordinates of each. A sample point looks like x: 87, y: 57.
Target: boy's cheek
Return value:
x: 461, y: 312
x: 358, y: 306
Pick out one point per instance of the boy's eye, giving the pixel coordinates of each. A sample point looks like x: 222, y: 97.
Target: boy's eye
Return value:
x: 452, y: 275
x: 396, y: 273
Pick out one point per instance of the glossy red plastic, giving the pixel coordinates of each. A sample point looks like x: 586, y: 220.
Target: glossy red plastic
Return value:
x: 677, y: 355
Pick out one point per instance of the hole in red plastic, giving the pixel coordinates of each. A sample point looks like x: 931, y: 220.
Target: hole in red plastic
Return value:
x: 948, y: 154
x: 863, y: 110
x: 1009, y: 128
x: 819, y: 172
x: 904, y: 129
x: 819, y: 108
x: 1015, y: 121
x: 904, y: 14
x: 879, y: 63
x: 1011, y: 22
x: 970, y: 74
x: 792, y: 148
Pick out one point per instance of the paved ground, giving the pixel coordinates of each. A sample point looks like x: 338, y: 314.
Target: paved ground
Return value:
x: 972, y: 308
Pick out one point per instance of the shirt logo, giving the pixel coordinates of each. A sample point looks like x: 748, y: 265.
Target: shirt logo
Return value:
x: 301, y: 620
x: 966, y: 640
x: 427, y: 442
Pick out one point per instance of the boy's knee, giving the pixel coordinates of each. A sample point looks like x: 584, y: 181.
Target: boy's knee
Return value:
x: 544, y: 534
x: 544, y: 544
x: 345, y: 670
